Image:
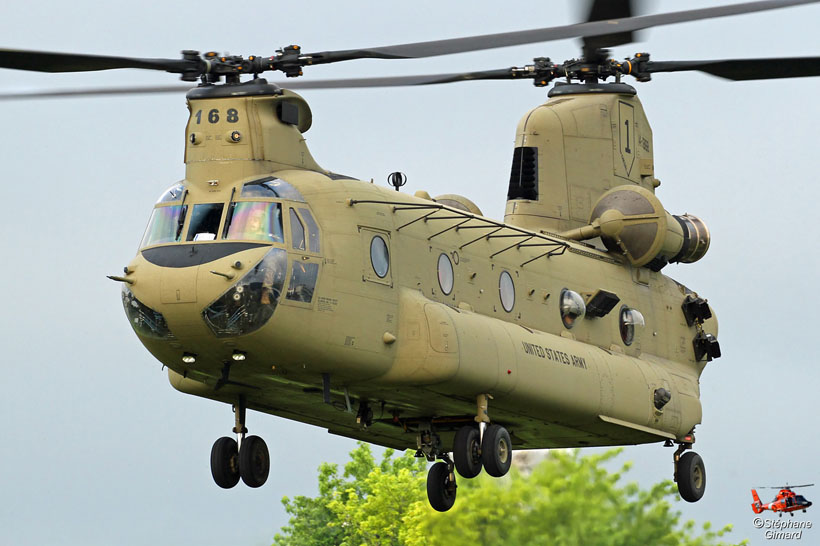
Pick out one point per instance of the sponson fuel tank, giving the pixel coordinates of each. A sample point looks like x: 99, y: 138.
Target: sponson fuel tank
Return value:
x: 546, y: 376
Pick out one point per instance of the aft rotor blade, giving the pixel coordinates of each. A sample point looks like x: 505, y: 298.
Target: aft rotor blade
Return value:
x: 744, y: 69
x: 401, y: 81
x: 506, y: 39
x: 44, y: 61
x: 606, y: 10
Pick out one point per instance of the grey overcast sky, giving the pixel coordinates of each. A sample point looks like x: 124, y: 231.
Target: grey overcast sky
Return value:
x: 99, y: 449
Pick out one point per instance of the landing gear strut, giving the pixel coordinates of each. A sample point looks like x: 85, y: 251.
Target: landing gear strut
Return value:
x: 245, y: 457
x: 483, y: 445
x: 690, y: 473
x: 475, y: 446
x: 441, y: 478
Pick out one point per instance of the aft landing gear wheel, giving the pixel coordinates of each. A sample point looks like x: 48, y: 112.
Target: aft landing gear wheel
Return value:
x: 254, y: 461
x: 496, y: 451
x: 691, y: 477
x: 441, y: 487
x: 467, y: 451
x: 225, y: 462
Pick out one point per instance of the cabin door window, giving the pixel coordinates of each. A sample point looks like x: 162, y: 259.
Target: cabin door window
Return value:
x: 377, y: 266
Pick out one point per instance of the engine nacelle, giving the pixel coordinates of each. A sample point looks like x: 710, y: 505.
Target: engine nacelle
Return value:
x: 632, y: 221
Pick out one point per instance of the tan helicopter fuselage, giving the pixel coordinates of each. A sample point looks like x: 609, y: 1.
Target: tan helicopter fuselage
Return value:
x: 401, y: 340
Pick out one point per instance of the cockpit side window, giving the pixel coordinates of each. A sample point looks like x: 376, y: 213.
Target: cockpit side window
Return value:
x: 297, y: 231
x: 256, y: 221
x: 165, y: 225
x: 312, y: 230
x: 302, y: 281
x: 205, y: 222
x: 271, y: 188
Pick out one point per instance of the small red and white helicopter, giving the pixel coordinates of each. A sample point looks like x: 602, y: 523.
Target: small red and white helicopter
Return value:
x: 785, y: 501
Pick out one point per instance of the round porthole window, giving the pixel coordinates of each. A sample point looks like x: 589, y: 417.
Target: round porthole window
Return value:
x: 379, y: 257
x: 572, y: 307
x: 445, y: 274
x: 631, y: 321
x: 506, y: 290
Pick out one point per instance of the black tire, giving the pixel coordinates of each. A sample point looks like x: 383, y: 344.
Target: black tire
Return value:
x: 441, y: 492
x: 225, y: 462
x: 691, y: 477
x: 496, y: 451
x: 254, y: 461
x: 467, y: 451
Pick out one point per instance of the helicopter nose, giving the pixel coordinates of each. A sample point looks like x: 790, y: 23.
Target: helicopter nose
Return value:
x: 807, y: 504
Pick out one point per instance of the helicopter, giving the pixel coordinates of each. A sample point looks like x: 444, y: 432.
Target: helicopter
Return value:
x: 786, y: 501
x: 346, y: 393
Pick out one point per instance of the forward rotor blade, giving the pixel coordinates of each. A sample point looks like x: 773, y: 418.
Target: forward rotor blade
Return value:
x: 736, y: 69
x: 91, y: 92
x: 506, y: 39
x: 612, y: 31
x: 744, y: 69
x: 44, y: 61
x: 391, y: 81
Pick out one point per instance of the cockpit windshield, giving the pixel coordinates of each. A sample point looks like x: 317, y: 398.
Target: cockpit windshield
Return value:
x: 205, y: 220
x: 256, y: 221
x: 165, y: 225
x: 253, y: 216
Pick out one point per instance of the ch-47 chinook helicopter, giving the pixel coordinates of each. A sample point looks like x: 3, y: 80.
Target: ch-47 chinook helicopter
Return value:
x: 270, y: 283
x: 785, y: 501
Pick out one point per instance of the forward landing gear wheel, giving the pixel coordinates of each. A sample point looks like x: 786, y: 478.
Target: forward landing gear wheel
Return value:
x: 496, y: 451
x: 691, y: 477
x: 254, y: 461
x: 467, y: 451
x: 225, y: 462
x: 441, y: 489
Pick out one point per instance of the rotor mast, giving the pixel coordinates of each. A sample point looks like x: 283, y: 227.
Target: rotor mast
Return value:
x: 255, y: 123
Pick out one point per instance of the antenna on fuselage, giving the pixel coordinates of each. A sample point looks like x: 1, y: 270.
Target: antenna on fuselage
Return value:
x: 397, y: 179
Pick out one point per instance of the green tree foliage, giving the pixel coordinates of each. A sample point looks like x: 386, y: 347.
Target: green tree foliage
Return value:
x: 567, y: 500
x: 368, y: 504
